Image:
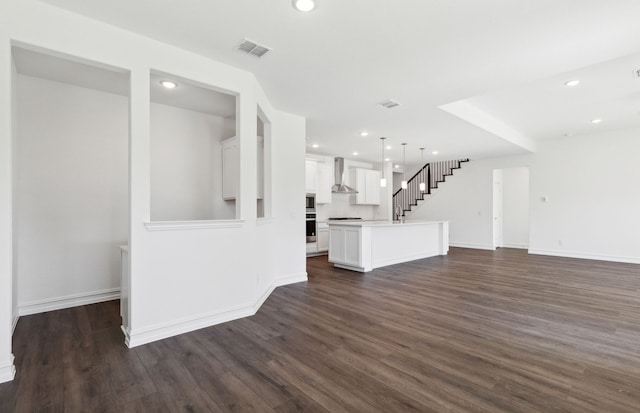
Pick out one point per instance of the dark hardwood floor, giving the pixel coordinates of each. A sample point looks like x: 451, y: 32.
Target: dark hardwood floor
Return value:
x: 475, y: 331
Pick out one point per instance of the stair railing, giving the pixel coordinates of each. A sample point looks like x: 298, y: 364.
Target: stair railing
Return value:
x: 431, y: 174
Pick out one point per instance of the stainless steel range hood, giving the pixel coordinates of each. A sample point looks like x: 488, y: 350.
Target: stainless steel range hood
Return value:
x: 340, y: 187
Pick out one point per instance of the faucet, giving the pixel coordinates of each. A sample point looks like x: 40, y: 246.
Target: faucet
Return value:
x: 398, y: 212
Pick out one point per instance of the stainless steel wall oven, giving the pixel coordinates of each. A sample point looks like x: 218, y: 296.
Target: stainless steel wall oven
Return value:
x: 311, y: 227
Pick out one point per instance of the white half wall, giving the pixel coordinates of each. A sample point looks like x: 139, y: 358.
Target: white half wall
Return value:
x: 592, y: 198
x: 186, y: 166
x: 515, y: 207
x: 71, y: 193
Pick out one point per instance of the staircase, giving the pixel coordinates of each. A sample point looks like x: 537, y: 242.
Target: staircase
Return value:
x: 431, y: 174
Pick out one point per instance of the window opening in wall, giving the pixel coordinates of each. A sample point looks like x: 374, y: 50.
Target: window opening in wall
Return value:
x: 194, y: 151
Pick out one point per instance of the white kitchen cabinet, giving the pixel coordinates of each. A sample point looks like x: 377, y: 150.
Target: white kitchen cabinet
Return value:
x: 323, y: 237
x: 365, y: 245
x: 230, y: 168
x: 345, y: 245
x: 310, y: 176
x: 260, y: 167
x: 367, y: 183
x: 324, y: 182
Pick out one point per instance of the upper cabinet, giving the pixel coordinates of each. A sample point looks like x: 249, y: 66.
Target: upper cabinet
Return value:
x: 318, y: 180
x: 367, y: 183
x: 310, y: 176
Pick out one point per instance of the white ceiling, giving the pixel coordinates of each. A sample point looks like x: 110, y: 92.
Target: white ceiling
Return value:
x: 334, y: 64
x: 64, y: 69
x: 547, y: 109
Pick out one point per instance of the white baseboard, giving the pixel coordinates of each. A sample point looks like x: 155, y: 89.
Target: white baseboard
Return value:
x: 7, y: 370
x: 519, y: 246
x: 474, y: 246
x: 581, y: 255
x: 291, y: 279
x: 138, y: 337
x: 74, y: 300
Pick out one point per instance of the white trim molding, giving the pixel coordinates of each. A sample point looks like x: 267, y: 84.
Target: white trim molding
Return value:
x: 519, y: 246
x: 585, y: 256
x: 290, y: 279
x: 474, y: 246
x: 7, y: 370
x: 189, y: 225
x: 74, y: 300
x: 138, y: 337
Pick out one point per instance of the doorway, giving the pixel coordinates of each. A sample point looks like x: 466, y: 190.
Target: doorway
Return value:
x: 511, y: 208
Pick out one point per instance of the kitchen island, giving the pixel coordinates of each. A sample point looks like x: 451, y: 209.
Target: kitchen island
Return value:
x: 365, y: 245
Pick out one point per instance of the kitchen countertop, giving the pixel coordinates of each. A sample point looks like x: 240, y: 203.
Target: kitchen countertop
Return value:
x: 381, y: 223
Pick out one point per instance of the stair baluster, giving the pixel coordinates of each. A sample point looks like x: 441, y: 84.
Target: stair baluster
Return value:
x: 432, y: 174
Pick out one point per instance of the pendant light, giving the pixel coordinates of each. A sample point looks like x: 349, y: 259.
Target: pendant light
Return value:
x: 403, y: 184
x: 383, y: 180
x: 423, y: 186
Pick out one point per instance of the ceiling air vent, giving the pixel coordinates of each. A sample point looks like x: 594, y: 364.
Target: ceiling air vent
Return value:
x: 252, y: 48
x: 388, y: 103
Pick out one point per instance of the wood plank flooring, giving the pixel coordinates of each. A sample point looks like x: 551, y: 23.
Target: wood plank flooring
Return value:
x: 475, y: 331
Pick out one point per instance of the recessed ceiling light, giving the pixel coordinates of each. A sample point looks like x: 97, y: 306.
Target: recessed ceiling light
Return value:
x: 572, y: 83
x: 315, y: 145
x: 596, y: 120
x: 435, y: 152
x: 364, y: 133
x: 396, y: 166
x: 355, y: 154
x: 168, y: 84
x: 304, y: 5
x: 388, y: 147
x: 387, y: 159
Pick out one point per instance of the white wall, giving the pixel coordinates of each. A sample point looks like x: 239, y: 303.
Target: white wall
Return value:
x: 186, y: 166
x: 14, y: 230
x: 466, y: 200
x: 591, y: 185
x: 515, y: 207
x: 71, y: 190
x: 7, y: 370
